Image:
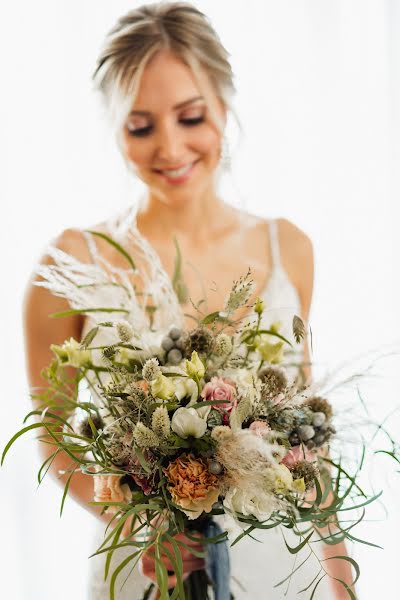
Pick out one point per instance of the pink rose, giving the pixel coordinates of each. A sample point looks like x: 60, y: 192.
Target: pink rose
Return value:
x: 296, y: 454
x: 259, y: 428
x: 108, y: 489
x: 220, y: 388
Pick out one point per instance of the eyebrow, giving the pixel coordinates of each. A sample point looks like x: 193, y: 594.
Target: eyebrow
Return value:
x: 180, y: 105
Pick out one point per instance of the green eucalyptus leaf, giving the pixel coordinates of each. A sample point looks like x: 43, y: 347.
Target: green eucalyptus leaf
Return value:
x: 115, y: 245
x: 297, y: 549
x: 350, y: 560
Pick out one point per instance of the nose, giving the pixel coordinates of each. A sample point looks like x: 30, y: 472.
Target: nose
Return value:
x: 170, y: 144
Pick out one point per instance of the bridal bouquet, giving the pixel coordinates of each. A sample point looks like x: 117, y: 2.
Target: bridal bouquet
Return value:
x: 203, y: 431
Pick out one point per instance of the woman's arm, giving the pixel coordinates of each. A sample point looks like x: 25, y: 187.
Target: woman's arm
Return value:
x: 40, y: 330
x: 298, y: 257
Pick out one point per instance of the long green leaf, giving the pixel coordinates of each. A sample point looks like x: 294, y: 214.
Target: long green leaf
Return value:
x: 115, y: 245
x: 16, y: 436
x: 297, y: 549
x: 350, y: 560
x: 49, y: 460
x: 66, y: 491
x: 214, y: 316
x: 346, y: 587
x: 117, y: 571
x: 78, y: 311
x: 316, y: 585
x: 311, y: 582
x: 292, y: 572
x: 161, y: 572
x: 178, y: 283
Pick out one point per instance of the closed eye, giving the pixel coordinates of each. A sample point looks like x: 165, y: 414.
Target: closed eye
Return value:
x: 144, y: 131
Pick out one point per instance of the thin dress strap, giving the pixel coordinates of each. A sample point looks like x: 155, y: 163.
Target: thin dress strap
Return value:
x: 274, y: 242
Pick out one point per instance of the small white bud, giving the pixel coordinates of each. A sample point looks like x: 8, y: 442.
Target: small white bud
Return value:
x: 124, y: 330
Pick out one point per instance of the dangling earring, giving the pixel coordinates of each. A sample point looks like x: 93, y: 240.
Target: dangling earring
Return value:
x: 225, y: 157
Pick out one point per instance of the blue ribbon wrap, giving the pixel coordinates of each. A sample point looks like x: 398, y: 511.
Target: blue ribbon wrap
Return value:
x: 217, y: 563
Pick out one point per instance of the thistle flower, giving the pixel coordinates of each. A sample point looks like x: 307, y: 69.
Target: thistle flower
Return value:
x: 145, y: 437
x: 124, y: 330
x: 84, y: 428
x: 160, y: 422
x: 274, y: 380
x: 199, y: 340
x: 318, y: 404
x: 151, y: 369
x: 299, y: 330
x: 240, y: 293
x: 307, y: 471
x: 222, y: 345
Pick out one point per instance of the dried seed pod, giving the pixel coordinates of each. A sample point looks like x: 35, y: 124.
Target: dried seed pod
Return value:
x: 175, y: 333
x: 167, y: 344
x: 299, y: 331
x: 318, y: 404
x: 274, y: 380
x: 319, y: 419
x: 174, y: 356
x: 306, y: 432
x: 200, y: 340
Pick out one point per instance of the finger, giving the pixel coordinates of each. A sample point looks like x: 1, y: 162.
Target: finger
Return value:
x: 167, y: 549
x: 192, y: 564
x: 188, y: 541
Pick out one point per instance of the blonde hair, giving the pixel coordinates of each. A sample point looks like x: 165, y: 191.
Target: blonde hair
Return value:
x: 176, y: 26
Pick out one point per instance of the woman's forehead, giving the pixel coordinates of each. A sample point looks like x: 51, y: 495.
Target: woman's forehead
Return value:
x: 166, y: 84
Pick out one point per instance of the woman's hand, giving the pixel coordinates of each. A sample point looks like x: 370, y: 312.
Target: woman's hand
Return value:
x: 189, y: 560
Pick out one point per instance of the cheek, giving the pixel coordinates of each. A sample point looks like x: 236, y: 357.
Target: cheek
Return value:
x: 138, y: 152
x: 208, y: 142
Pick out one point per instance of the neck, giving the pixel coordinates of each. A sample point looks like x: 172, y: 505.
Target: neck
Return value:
x: 190, y: 218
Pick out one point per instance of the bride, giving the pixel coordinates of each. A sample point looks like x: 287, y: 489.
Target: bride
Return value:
x: 167, y: 84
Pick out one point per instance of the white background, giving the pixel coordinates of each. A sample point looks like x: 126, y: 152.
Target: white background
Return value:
x: 318, y: 96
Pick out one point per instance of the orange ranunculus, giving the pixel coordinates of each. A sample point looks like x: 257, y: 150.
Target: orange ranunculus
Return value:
x: 192, y: 486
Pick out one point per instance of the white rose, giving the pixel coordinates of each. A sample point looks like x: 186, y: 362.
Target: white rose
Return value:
x: 187, y: 422
x: 244, y: 502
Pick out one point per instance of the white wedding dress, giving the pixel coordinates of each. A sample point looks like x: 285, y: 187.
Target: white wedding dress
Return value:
x: 256, y: 566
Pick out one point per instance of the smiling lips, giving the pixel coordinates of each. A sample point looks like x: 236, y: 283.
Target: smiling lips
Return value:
x: 177, y: 175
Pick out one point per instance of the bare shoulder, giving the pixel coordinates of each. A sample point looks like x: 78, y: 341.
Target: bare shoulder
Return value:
x: 297, y: 255
x: 294, y: 240
x: 73, y: 241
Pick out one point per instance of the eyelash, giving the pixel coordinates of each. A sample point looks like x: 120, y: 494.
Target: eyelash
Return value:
x: 143, y: 131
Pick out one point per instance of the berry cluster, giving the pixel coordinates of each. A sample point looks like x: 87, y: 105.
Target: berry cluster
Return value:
x: 314, y: 434
x: 173, y: 344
